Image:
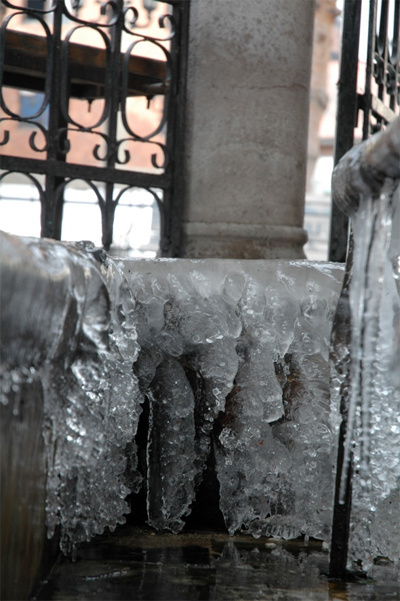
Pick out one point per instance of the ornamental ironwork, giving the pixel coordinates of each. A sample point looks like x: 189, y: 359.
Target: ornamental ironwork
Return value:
x: 93, y: 92
x: 369, y: 86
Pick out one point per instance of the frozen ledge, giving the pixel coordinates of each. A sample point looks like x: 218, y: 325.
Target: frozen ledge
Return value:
x: 230, y: 357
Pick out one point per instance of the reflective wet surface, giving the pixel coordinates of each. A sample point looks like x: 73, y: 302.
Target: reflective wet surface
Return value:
x: 135, y: 563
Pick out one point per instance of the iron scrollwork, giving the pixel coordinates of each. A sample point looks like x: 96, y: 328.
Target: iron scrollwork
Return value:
x: 86, y: 69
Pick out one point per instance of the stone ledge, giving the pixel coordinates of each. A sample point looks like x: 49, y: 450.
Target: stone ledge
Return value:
x: 242, y: 241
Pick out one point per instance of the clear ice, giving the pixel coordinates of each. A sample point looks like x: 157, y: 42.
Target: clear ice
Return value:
x: 373, y: 431
x: 246, y: 344
x: 65, y: 325
x: 231, y: 358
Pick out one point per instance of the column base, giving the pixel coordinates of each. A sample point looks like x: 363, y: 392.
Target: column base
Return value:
x: 242, y: 241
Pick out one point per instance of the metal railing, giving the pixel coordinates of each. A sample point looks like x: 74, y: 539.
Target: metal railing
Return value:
x: 368, y: 89
x: 75, y: 51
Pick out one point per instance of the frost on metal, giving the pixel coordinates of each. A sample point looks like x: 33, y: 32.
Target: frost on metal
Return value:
x: 232, y: 357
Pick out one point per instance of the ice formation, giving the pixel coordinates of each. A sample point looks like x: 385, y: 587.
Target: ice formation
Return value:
x: 231, y: 358
x: 62, y: 327
x: 366, y: 348
x: 230, y: 355
x: 373, y: 431
x: 247, y: 343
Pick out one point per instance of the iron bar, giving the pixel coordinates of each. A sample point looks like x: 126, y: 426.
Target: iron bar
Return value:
x: 171, y: 227
x: 52, y: 208
x: 108, y: 206
x: 367, y: 96
x: 346, y: 117
x: 85, y: 172
x: 341, y: 511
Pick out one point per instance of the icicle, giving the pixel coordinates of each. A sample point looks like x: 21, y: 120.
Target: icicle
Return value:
x: 357, y: 301
x: 372, y: 231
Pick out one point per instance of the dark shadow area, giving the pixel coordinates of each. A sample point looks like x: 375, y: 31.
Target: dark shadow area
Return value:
x: 137, y: 501
x: 205, y: 512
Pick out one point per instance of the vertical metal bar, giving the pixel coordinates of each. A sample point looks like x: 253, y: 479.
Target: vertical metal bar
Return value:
x: 341, y: 511
x: 341, y: 517
x: 395, y: 58
x: 51, y: 216
x: 171, y: 234
x: 367, y: 100
x: 346, y: 116
x: 114, y: 74
x: 382, y: 47
x: 346, y: 121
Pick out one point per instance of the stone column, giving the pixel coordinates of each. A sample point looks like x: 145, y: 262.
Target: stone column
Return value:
x: 246, y: 135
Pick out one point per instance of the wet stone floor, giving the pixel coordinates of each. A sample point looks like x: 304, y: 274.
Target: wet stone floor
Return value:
x: 134, y: 563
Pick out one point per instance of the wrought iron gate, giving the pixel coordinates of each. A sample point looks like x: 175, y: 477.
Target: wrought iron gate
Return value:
x: 369, y: 91
x: 70, y: 51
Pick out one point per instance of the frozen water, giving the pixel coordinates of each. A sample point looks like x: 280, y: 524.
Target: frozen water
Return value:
x: 373, y: 431
x: 277, y: 436
x: 61, y: 325
x: 171, y: 447
x: 252, y: 340
x: 186, y: 368
x: 231, y: 356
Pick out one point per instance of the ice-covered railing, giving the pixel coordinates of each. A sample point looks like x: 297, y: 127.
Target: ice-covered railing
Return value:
x: 366, y: 356
x: 68, y: 326
x: 231, y: 358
